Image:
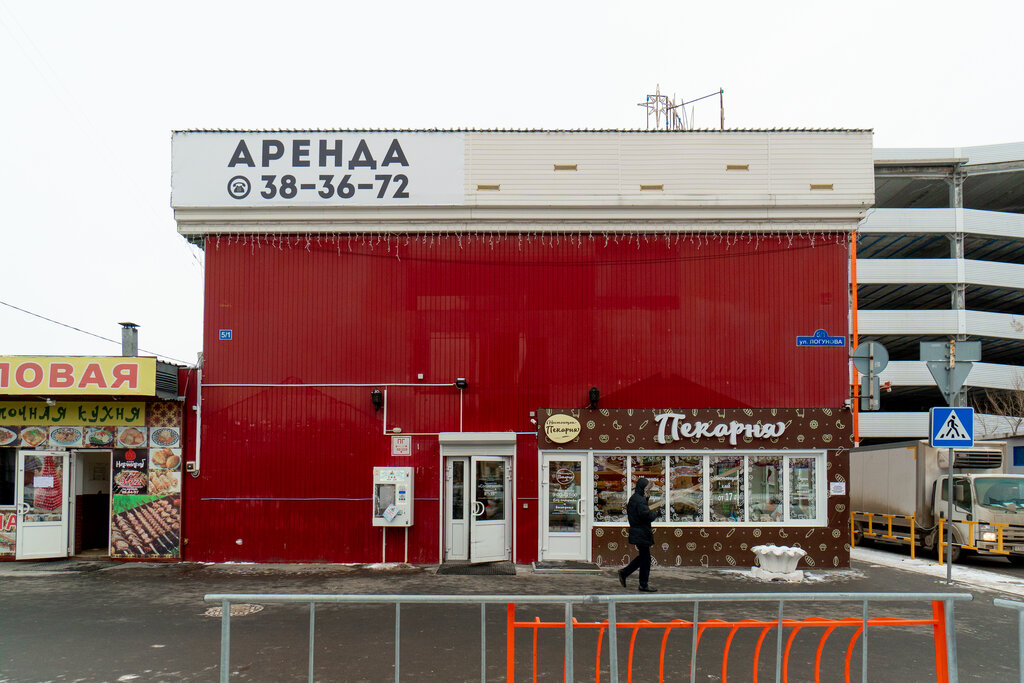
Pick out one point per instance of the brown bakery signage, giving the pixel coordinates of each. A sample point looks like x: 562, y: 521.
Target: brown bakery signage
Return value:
x: 700, y: 428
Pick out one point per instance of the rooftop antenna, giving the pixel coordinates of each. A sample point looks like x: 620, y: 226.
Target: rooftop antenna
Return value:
x: 661, y: 107
x: 657, y: 105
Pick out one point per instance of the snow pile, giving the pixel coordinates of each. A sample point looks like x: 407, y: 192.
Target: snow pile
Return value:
x: 969, y: 577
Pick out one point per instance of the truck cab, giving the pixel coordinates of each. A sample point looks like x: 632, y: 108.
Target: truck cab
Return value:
x: 988, y: 512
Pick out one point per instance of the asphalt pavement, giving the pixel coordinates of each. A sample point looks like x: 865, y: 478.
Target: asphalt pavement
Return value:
x: 94, y: 621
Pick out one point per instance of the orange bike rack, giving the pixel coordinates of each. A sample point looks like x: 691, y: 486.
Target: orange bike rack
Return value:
x: 937, y: 622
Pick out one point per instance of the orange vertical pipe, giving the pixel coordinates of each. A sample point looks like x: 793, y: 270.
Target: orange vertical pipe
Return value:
x: 854, y: 336
x: 510, y: 642
x: 939, y: 630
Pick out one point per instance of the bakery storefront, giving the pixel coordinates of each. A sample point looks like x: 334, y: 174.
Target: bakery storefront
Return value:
x: 90, y: 458
x: 722, y: 481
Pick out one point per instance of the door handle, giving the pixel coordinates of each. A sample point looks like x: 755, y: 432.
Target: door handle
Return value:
x: 579, y: 507
x: 478, y: 511
x: 23, y: 508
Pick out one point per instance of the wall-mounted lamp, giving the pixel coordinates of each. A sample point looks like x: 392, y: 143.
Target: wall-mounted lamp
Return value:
x: 461, y: 383
x: 377, y: 396
x: 595, y: 395
x: 49, y: 401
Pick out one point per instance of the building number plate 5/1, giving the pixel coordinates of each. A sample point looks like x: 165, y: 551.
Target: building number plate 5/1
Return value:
x: 225, y: 335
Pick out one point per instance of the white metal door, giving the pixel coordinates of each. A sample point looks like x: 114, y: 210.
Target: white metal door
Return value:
x: 565, y: 498
x: 490, y: 522
x: 457, y: 509
x: 42, y: 504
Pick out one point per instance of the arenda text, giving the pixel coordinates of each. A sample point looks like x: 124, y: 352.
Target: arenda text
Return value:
x: 327, y: 154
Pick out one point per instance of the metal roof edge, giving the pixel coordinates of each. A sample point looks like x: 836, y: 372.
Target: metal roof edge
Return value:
x: 520, y: 130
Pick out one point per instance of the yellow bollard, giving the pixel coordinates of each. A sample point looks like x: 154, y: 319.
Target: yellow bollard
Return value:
x: 970, y: 535
x: 913, y: 537
x: 889, y: 533
x: 999, y: 538
x: 941, y: 536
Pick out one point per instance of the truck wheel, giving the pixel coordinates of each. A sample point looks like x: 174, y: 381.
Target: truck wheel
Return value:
x: 931, y: 545
x: 957, y: 552
x: 858, y: 536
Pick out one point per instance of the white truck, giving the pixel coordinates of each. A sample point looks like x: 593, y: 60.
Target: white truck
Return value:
x: 897, y: 483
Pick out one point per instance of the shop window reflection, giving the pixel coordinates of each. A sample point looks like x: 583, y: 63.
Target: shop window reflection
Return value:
x: 766, y: 490
x: 564, y: 495
x: 742, y: 488
x: 726, y: 489
x: 801, y: 489
x: 651, y: 468
x: 458, y: 486
x: 609, y: 488
x: 8, y: 459
x: 43, y: 487
x: 490, y: 490
x: 686, y: 489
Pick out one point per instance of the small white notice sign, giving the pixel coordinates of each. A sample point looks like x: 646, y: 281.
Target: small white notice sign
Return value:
x: 837, y: 488
x: 42, y: 482
x: 401, y: 446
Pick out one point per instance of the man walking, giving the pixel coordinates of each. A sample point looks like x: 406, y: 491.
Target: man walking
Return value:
x: 640, y: 534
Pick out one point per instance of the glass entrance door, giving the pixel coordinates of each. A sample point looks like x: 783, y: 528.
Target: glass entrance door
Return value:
x: 565, y: 496
x: 42, y: 502
x: 489, y: 535
x: 478, y: 524
x: 457, y: 508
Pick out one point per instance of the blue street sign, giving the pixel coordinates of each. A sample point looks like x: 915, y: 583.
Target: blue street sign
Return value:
x: 951, y: 427
x: 821, y: 338
x: 225, y: 335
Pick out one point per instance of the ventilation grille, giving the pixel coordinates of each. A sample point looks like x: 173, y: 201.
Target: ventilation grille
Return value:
x: 166, y: 380
x: 978, y: 460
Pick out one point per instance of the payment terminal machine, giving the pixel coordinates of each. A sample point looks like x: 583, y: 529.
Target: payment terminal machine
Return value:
x: 392, y: 496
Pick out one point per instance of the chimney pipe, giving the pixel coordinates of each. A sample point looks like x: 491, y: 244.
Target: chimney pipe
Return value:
x: 129, y: 339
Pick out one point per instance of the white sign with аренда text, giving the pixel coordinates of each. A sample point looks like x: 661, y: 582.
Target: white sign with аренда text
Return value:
x: 317, y: 169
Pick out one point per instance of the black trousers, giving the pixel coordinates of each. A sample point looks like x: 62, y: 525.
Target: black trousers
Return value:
x: 642, y: 561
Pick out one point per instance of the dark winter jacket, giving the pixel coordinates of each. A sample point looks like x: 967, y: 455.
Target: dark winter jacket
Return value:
x: 640, y: 516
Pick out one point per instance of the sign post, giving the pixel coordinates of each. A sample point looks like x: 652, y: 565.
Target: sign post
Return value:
x: 870, y: 358
x: 950, y: 427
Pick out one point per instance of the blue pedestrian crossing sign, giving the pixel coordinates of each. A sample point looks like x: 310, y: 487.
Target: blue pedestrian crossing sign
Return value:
x: 951, y: 427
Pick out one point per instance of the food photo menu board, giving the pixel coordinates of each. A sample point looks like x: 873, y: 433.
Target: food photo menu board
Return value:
x: 146, y: 520
x: 73, y: 436
x: 8, y: 528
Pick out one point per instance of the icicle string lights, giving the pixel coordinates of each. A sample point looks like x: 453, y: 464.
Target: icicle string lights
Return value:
x: 389, y: 243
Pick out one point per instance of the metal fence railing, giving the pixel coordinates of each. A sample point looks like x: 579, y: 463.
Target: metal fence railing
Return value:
x: 941, y: 624
x: 1019, y: 606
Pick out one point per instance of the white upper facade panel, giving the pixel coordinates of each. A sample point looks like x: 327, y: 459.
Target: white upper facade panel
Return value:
x: 671, y: 169
x: 752, y: 180
x: 976, y: 155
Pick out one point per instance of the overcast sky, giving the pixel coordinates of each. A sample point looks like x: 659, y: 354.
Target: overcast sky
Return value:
x: 92, y: 90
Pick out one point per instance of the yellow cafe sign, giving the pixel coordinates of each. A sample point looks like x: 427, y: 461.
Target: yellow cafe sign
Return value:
x: 100, y: 413
x: 77, y: 375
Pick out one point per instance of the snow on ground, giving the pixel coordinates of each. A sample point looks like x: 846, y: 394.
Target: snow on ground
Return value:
x: 968, y: 577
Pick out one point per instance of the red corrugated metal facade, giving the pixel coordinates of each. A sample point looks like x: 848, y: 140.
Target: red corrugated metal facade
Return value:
x: 530, y: 321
